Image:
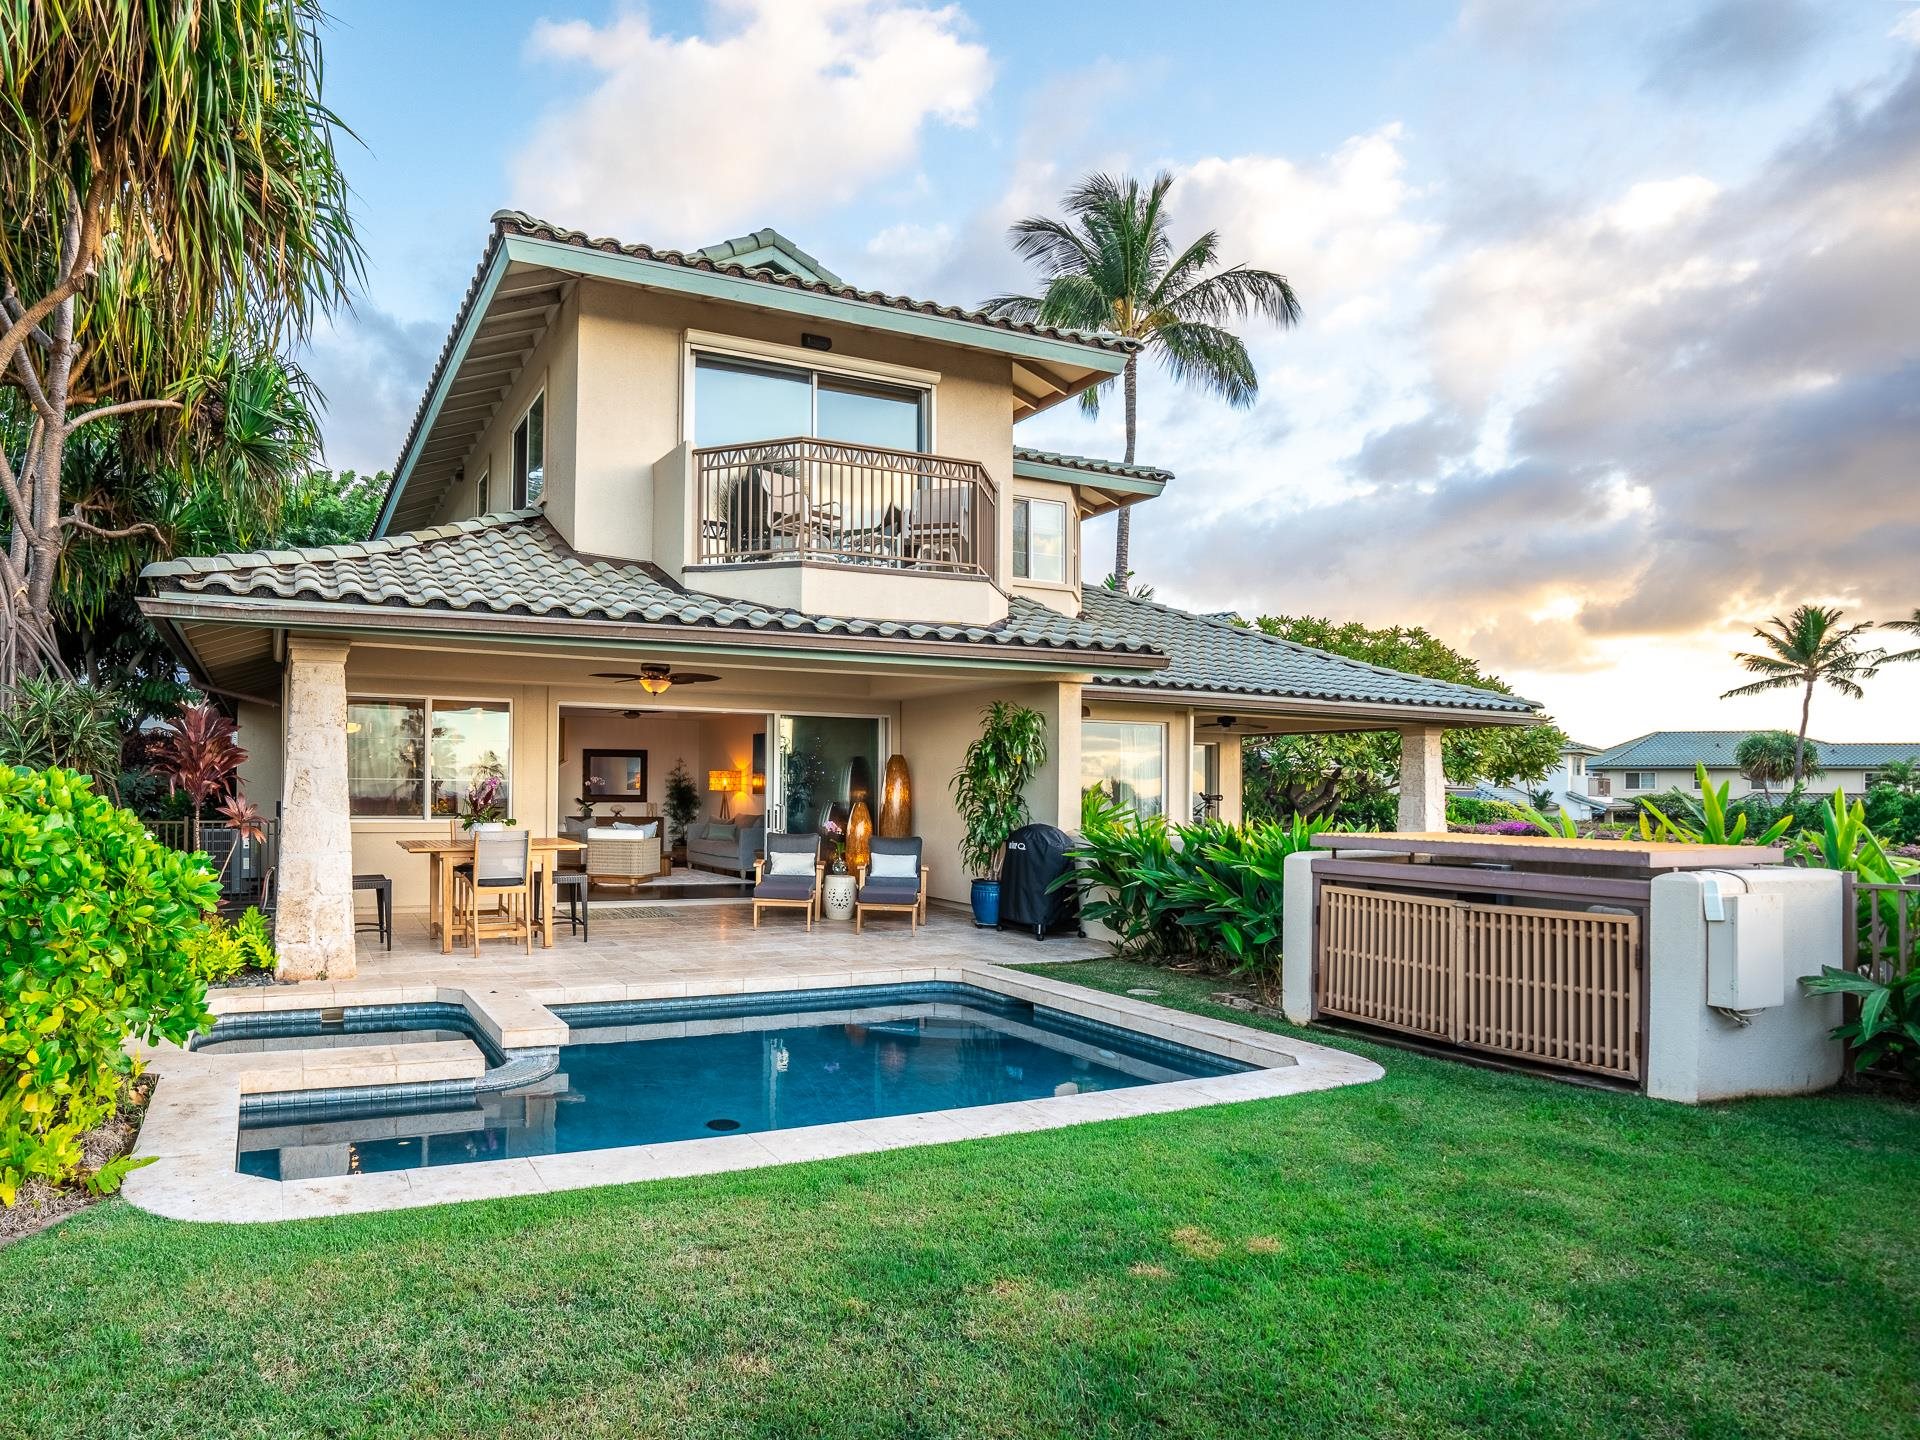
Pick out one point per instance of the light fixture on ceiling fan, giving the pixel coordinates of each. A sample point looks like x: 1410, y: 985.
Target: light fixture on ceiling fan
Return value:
x: 654, y: 679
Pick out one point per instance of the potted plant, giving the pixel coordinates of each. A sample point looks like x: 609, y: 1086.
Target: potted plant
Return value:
x: 485, y: 809
x: 682, y: 806
x: 989, y: 789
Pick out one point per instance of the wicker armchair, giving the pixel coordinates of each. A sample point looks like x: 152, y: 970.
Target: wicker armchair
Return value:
x: 619, y: 856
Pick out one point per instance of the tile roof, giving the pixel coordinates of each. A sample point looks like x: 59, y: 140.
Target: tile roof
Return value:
x: 1091, y: 465
x: 1216, y: 656
x: 1683, y: 749
x: 516, y: 563
x: 798, y: 260
x: 518, y: 222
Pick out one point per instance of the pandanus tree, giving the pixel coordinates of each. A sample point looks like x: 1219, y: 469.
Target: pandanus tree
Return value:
x: 1810, y: 647
x: 1111, y: 265
x: 1769, y: 757
x: 169, y: 192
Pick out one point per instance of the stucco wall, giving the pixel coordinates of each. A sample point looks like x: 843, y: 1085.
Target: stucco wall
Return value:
x: 1854, y: 782
x: 665, y: 738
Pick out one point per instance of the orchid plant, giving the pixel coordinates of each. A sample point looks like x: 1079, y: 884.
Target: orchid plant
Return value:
x: 486, y: 803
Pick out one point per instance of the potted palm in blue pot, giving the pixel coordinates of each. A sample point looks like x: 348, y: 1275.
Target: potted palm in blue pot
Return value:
x: 989, y: 789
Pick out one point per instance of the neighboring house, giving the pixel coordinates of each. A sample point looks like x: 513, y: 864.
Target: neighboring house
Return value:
x: 1666, y: 759
x: 721, y: 509
x: 1567, y: 787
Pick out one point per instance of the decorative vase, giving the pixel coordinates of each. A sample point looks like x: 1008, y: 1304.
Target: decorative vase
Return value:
x: 986, y: 904
x: 859, y: 835
x: 896, y: 801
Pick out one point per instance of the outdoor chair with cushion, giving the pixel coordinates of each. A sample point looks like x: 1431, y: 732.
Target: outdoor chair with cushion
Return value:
x: 937, y: 530
x: 626, y: 854
x: 893, y: 879
x: 788, y: 876
x: 503, y: 873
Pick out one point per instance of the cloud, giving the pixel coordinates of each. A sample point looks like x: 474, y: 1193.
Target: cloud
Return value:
x: 1644, y: 420
x: 1743, y: 43
x: 787, y: 108
x: 372, y: 367
x: 1907, y: 27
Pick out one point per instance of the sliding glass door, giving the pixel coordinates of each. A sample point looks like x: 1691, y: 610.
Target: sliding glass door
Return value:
x: 822, y: 765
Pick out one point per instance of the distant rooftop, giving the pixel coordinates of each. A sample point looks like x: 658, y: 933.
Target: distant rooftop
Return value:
x: 1683, y: 749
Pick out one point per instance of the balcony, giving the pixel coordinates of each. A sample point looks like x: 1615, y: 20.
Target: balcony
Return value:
x: 857, y: 506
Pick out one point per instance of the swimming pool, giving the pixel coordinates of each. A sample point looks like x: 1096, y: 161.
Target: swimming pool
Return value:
x: 659, y: 1071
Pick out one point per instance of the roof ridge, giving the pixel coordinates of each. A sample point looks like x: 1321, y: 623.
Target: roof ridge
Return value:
x: 1299, y: 648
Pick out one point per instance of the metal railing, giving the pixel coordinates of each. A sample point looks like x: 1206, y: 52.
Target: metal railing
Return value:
x: 242, y: 863
x: 805, y: 499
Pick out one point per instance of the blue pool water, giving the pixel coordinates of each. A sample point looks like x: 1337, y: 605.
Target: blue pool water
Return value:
x: 648, y: 1072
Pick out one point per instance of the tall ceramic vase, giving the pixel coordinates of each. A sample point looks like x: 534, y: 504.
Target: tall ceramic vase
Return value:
x: 896, y: 801
x: 859, y: 836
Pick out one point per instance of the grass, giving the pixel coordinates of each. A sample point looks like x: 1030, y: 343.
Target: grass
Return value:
x: 1449, y: 1251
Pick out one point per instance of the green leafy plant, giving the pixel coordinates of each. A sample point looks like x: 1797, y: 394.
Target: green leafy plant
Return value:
x: 1562, y: 827
x: 108, y: 1179
x: 990, y: 786
x: 50, y: 722
x: 1887, y: 1031
x: 98, y: 929
x: 1209, y: 893
x: 1708, y: 821
x: 219, y: 950
x: 682, y: 801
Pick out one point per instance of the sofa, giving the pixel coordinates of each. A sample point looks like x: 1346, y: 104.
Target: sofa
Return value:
x: 725, y: 845
x: 627, y: 855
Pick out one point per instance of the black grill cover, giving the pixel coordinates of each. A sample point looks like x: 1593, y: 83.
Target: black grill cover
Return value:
x: 1036, y: 855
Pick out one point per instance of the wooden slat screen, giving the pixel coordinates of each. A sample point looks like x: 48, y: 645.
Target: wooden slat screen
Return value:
x: 1558, y: 987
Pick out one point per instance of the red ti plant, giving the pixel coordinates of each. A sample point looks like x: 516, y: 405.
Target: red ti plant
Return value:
x: 199, y: 754
x: 243, y: 817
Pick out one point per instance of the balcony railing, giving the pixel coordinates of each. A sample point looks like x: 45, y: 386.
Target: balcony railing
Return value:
x: 804, y: 499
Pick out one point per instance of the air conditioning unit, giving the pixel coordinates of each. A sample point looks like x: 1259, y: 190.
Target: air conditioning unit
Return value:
x: 1746, y: 949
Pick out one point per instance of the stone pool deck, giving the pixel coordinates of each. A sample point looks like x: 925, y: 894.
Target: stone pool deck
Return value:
x: 192, y: 1125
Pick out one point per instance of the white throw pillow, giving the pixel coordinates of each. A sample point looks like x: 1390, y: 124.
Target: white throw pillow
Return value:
x: 893, y: 867
x: 789, y: 862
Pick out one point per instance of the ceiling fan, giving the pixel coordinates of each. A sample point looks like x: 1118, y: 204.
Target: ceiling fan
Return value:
x: 654, y: 679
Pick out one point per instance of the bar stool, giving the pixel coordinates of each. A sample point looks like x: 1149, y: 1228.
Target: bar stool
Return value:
x: 382, y: 888
x: 573, y: 885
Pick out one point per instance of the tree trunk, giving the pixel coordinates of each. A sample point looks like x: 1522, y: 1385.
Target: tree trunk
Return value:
x: 1800, y: 740
x: 1123, y: 525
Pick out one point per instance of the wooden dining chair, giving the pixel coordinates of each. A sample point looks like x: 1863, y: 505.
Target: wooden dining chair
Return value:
x: 503, y: 874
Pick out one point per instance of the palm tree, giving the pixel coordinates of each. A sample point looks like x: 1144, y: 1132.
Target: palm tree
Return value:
x: 1808, y: 648
x: 1767, y: 757
x: 1903, y: 775
x: 1110, y: 265
x: 1912, y: 627
x: 168, y: 183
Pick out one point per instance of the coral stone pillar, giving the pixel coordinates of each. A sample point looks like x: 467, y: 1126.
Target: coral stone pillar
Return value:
x: 1423, y: 780
x: 313, y: 925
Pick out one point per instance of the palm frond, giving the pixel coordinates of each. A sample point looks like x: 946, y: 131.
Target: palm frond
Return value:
x: 1209, y: 357
x: 1235, y: 294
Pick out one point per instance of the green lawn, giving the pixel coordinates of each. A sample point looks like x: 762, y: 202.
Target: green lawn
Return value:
x: 1448, y: 1251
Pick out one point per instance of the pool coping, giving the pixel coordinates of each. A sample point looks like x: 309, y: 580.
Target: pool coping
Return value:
x: 192, y: 1124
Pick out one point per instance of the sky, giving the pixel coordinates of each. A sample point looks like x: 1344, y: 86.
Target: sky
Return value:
x: 1610, y: 343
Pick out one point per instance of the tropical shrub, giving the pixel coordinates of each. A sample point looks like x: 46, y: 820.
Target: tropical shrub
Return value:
x: 1209, y: 893
x: 1894, y: 814
x: 99, y: 925
x: 1886, y: 1033
x: 1706, y: 821
x: 51, y: 722
x: 220, y: 950
x: 989, y: 788
x: 1465, y: 810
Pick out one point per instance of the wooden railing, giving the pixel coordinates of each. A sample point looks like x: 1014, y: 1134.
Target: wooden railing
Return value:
x: 805, y: 499
x: 1883, y: 924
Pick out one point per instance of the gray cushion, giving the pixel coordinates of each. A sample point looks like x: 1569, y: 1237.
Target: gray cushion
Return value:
x: 785, y: 887
x: 890, y: 892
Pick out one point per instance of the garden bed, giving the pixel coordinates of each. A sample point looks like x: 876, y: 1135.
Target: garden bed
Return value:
x: 40, y: 1204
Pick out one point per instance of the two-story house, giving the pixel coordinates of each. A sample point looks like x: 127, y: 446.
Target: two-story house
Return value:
x: 1664, y: 760
x: 723, y: 510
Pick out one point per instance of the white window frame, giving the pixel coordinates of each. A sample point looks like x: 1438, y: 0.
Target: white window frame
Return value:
x: 430, y: 700
x: 1630, y: 780
x: 516, y: 482
x: 486, y: 480
x: 744, y: 351
x: 1066, y: 542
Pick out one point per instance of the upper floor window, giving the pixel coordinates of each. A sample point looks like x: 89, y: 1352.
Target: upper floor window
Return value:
x: 530, y: 453
x: 736, y: 402
x: 480, y: 490
x: 1040, y: 540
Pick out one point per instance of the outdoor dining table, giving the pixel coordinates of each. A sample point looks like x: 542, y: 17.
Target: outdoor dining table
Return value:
x: 443, y: 854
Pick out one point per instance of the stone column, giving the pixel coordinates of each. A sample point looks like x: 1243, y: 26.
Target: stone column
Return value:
x: 1423, y: 780
x: 313, y: 925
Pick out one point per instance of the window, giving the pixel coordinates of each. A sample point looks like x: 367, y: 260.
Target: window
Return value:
x: 480, y: 492
x: 1125, y: 762
x: 1640, y: 780
x: 530, y: 453
x: 1040, y: 540
x: 736, y: 402
x: 414, y: 759
x: 1206, y: 780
